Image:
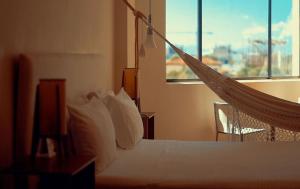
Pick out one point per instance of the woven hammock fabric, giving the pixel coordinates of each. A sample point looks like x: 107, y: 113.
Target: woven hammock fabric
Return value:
x: 266, y: 108
x: 261, y: 106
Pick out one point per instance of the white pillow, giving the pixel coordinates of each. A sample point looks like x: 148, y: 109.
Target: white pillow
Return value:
x: 93, y: 132
x: 124, y: 96
x: 126, y: 118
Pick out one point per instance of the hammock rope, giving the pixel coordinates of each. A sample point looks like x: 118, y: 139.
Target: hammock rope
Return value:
x: 261, y: 106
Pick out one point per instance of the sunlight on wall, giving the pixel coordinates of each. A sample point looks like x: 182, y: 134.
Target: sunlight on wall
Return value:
x: 186, y: 111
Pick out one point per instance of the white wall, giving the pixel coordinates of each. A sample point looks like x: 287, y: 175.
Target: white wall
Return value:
x: 48, y: 27
x: 186, y: 111
x: 124, y: 40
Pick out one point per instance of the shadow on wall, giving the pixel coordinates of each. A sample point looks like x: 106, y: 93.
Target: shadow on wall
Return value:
x: 6, y: 111
x: 7, y: 67
x: 120, y: 42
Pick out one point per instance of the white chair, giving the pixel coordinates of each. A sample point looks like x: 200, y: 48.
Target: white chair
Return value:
x: 230, y: 121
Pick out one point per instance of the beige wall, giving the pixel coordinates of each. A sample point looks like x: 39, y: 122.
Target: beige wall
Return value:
x: 120, y: 43
x: 48, y: 27
x: 131, y: 38
x: 186, y: 111
x: 124, y: 40
x: 100, y: 27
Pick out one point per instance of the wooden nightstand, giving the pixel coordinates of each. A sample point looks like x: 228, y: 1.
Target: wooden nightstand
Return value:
x: 74, y: 172
x: 148, y: 122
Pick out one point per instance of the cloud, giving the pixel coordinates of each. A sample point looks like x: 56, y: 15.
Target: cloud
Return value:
x: 208, y: 33
x: 254, y: 31
x: 286, y: 28
x: 282, y: 29
x: 246, y: 17
x: 183, y: 38
x: 279, y: 26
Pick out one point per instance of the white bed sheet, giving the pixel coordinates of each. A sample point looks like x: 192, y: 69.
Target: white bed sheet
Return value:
x: 179, y: 164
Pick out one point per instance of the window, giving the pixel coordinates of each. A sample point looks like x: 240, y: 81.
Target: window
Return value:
x: 243, y: 39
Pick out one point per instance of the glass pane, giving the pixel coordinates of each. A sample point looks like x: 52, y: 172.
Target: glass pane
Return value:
x: 181, y: 30
x: 235, y: 37
x: 285, y: 38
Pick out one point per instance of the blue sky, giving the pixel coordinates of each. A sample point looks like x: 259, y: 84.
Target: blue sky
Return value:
x: 233, y: 22
x: 282, y: 8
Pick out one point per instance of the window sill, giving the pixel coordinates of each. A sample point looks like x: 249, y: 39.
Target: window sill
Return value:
x: 241, y: 81
x: 269, y: 80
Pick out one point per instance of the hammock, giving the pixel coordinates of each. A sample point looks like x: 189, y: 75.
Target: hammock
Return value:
x: 266, y: 108
x: 261, y: 106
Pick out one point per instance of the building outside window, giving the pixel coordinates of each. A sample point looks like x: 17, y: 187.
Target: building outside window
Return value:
x: 243, y: 39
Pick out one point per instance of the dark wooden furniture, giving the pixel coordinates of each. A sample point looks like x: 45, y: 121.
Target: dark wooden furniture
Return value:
x: 50, y: 116
x: 148, y: 122
x: 77, y: 172
x: 130, y: 85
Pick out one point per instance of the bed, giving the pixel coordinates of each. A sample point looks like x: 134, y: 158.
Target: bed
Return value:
x: 209, y: 165
x: 162, y: 164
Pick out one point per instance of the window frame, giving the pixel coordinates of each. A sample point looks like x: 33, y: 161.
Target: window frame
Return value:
x: 269, y: 75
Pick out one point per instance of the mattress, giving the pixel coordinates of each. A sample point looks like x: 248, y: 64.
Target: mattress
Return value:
x: 209, y: 165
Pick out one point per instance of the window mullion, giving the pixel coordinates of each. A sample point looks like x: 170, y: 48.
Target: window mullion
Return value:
x: 200, y: 29
x: 270, y: 40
